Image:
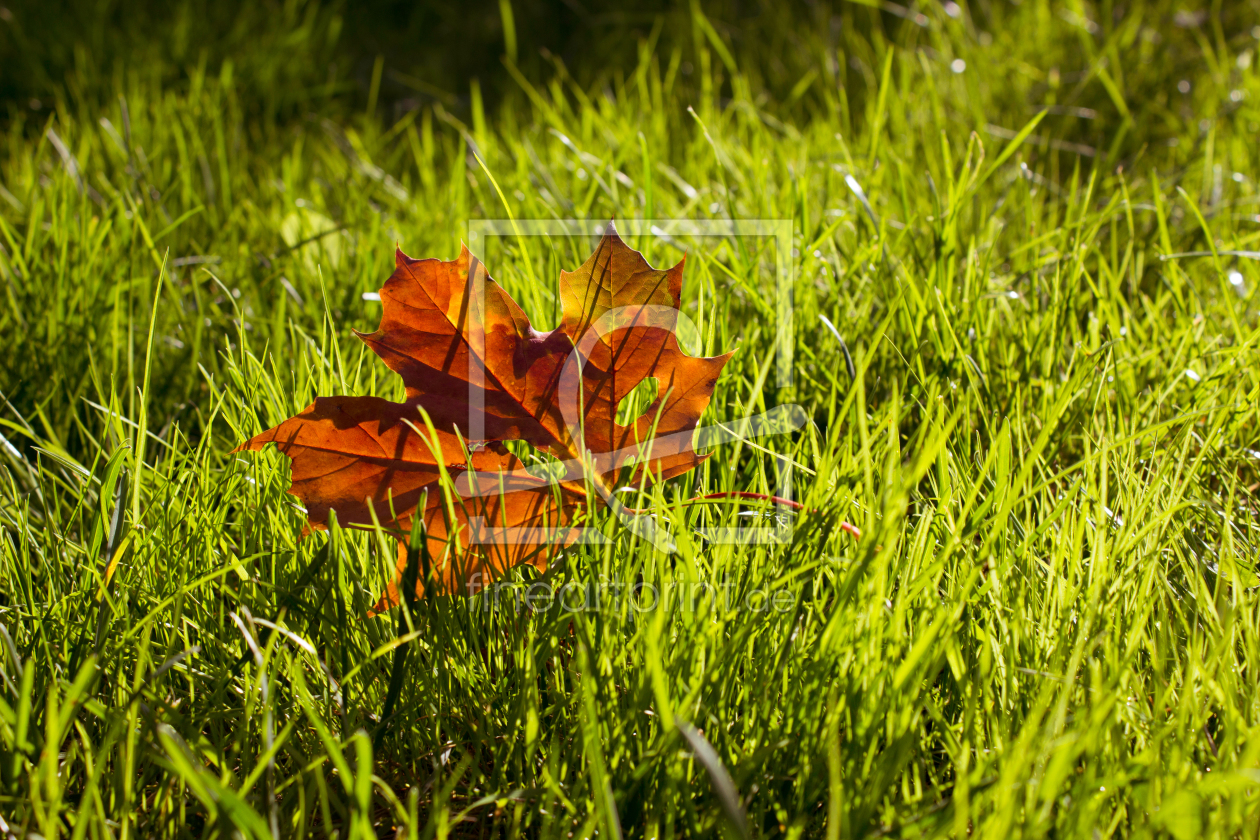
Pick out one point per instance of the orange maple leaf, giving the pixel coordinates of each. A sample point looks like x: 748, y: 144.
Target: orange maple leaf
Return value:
x: 473, y: 364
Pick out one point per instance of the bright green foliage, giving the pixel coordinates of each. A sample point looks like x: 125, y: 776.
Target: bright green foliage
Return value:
x: 1049, y: 438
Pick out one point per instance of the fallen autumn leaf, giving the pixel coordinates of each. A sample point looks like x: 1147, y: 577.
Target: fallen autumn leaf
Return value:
x: 481, y: 374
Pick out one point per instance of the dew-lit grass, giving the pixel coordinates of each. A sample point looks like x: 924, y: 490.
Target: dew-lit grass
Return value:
x: 1024, y: 327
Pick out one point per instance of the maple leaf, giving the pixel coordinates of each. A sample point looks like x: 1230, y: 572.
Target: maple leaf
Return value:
x: 480, y: 374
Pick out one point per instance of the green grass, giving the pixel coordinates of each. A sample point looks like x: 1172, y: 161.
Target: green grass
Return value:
x: 1051, y: 626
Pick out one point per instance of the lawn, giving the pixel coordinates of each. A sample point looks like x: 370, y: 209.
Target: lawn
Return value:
x: 1022, y: 327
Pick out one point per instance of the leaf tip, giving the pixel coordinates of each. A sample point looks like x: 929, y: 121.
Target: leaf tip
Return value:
x: 254, y: 444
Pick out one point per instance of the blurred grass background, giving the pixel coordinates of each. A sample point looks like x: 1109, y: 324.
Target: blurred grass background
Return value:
x: 1025, y: 327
